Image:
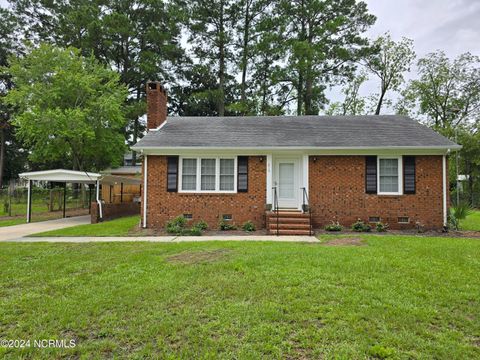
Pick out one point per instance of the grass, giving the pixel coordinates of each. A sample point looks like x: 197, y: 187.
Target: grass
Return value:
x: 397, y: 296
x: 472, y: 222
x: 12, y: 221
x: 117, y: 227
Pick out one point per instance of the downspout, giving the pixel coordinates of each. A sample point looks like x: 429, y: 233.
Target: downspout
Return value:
x: 100, y: 212
x: 445, y: 209
x: 145, y: 176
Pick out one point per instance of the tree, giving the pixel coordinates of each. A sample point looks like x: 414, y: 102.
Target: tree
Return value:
x: 211, y: 34
x: 68, y: 108
x: 389, y: 64
x: 139, y: 39
x: 323, y: 41
x: 254, y: 15
x: 446, y: 94
x: 9, y: 45
x: 353, y: 103
x: 198, y: 97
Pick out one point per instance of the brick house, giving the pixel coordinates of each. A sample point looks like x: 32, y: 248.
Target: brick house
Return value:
x: 312, y: 169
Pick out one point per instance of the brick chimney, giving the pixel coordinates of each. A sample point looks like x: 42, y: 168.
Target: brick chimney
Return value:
x: 156, y: 105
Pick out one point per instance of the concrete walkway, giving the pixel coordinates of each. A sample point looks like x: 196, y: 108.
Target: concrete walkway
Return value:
x: 167, y: 239
x: 8, y: 233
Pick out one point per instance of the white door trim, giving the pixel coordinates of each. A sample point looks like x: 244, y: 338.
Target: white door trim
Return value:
x: 295, y: 202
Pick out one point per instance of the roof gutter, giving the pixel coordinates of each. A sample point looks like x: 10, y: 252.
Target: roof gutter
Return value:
x: 317, y: 148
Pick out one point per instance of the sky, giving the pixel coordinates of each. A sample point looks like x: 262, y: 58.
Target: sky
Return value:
x: 449, y: 25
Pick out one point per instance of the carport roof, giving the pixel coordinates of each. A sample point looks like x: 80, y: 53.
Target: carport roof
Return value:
x: 61, y: 175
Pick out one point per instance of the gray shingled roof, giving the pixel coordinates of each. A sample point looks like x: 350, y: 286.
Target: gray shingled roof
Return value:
x: 294, y: 132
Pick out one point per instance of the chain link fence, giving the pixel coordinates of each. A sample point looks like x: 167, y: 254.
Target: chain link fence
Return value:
x: 47, y: 203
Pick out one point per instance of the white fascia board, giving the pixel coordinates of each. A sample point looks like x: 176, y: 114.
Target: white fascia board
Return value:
x: 60, y: 175
x: 398, y: 150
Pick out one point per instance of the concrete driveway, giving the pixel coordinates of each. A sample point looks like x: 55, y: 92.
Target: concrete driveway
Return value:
x: 18, y: 231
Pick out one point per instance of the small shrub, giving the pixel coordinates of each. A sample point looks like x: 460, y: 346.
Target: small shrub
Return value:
x: 334, y: 226
x: 360, y: 226
x: 226, y: 226
x: 202, y: 225
x: 176, y: 226
x: 457, y: 213
x: 249, y: 226
x: 381, y: 227
x: 381, y: 352
x: 195, y: 231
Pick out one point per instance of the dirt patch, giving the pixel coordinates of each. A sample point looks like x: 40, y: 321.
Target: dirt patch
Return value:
x: 195, y: 257
x: 346, y: 241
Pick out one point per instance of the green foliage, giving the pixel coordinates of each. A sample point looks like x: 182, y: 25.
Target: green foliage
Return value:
x: 249, y: 226
x: 360, y: 226
x: 334, y: 226
x: 381, y: 227
x: 457, y: 213
x: 202, y: 225
x: 381, y: 352
x: 389, y: 64
x: 447, y: 92
x: 226, y: 226
x: 68, y: 108
x: 323, y: 50
x: 177, y: 225
x: 195, y: 230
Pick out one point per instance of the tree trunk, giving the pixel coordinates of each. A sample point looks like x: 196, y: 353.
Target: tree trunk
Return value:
x: 309, y: 81
x: 243, y: 87
x: 2, y: 154
x: 221, y: 68
x: 380, y: 101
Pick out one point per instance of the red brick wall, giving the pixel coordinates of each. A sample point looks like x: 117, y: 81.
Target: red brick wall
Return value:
x: 156, y: 105
x: 163, y: 205
x: 113, y: 211
x: 337, y: 192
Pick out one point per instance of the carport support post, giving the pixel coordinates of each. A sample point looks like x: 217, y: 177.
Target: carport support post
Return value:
x: 64, y: 197
x: 90, y: 198
x: 29, y: 201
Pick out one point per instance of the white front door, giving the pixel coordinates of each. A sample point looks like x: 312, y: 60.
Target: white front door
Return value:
x: 287, y: 182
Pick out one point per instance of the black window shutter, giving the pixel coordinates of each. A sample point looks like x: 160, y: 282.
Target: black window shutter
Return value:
x: 371, y: 174
x: 242, y: 175
x: 409, y: 174
x: 172, y: 173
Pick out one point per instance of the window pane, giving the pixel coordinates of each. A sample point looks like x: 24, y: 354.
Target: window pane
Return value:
x: 227, y: 174
x: 189, y: 174
x: 389, y: 175
x: 208, y: 174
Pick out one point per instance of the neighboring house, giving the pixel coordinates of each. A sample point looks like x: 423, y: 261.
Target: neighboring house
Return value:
x: 375, y: 168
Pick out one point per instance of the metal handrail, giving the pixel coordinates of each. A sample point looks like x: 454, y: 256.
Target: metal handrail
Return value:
x: 275, y: 204
x: 306, y: 202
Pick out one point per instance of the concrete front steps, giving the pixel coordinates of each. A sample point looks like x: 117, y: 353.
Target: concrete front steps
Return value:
x: 290, y: 222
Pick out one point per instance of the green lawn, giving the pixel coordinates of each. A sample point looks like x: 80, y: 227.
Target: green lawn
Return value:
x: 472, y: 222
x: 117, y: 227
x: 12, y: 221
x: 408, y: 297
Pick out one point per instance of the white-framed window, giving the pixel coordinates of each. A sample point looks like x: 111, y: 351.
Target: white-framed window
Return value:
x: 389, y: 175
x: 208, y: 174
